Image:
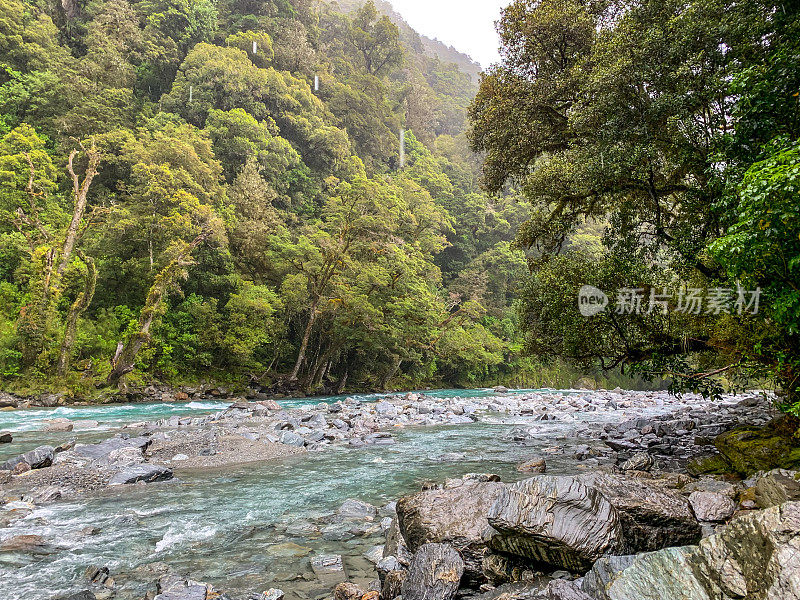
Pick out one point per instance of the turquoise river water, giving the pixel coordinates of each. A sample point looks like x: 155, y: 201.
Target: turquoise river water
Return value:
x: 230, y: 527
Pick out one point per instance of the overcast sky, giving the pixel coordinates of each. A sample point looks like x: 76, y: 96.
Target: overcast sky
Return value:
x: 467, y: 25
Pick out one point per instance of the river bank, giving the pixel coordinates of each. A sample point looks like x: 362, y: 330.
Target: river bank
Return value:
x: 284, y: 491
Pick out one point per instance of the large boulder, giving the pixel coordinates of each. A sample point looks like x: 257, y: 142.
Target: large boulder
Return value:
x: 756, y: 556
x: 37, y: 459
x: 776, y: 487
x: 753, y: 449
x: 435, y: 573
x: 652, y: 515
x: 557, y: 521
x: 455, y: 516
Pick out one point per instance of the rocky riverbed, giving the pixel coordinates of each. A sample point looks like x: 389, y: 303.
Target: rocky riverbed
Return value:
x: 606, y: 439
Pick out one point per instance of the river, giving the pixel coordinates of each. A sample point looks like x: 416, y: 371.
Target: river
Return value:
x: 229, y: 527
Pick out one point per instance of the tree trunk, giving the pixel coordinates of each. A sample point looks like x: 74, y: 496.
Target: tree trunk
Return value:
x: 301, y: 355
x: 78, y: 307
x: 80, y: 191
x: 391, y: 372
x: 343, y: 380
x: 125, y: 357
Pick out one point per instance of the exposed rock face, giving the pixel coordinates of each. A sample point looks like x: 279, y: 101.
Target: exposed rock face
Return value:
x: 756, y: 556
x: 776, y: 487
x: 558, y: 521
x: 435, y: 573
x: 392, y: 585
x: 652, y: 516
x: 329, y: 568
x: 711, y: 506
x: 455, y: 516
x: 37, y: 459
x: 146, y: 473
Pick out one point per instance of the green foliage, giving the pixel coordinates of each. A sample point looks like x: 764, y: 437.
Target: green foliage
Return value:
x: 644, y: 148
x: 240, y: 223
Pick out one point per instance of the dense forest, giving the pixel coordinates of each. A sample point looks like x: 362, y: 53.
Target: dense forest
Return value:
x: 674, y: 126
x: 314, y: 197
x: 198, y: 190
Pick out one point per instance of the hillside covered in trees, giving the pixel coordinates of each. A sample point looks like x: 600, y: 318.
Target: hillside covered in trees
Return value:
x: 200, y: 189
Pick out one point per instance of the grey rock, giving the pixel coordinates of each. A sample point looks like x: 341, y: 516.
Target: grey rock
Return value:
x: 374, y: 554
x: 356, y: 509
x: 711, y: 506
x: 272, y: 594
x: 387, y: 564
x: 434, y: 574
x: 145, y: 472
x: 386, y: 409
x: 172, y: 587
x: 641, y: 461
x: 455, y: 516
x: 652, y: 515
x: 396, y: 544
x: 560, y: 589
x: 558, y: 521
x: 58, y: 425
x: 291, y: 439
x: 755, y: 556
x: 315, y: 436
x: 100, y: 452
x: 6, y: 437
x: 329, y: 568
x: 49, y: 493
x: 603, y: 571
x: 317, y: 421
x: 37, y: 458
